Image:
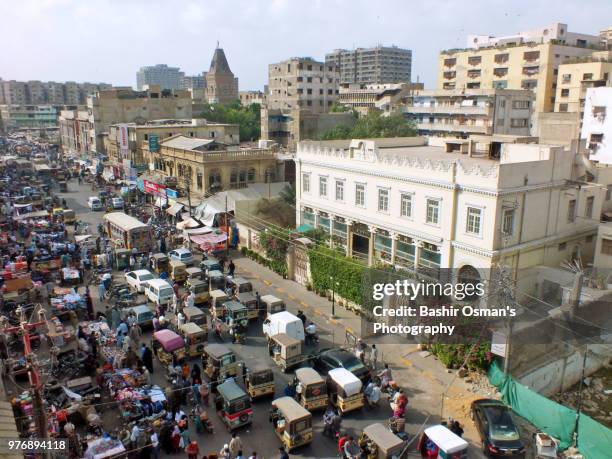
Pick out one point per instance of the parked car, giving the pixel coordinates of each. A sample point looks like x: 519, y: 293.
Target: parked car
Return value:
x: 94, y: 203
x: 117, y: 203
x: 330, y: 358
x: 499, y: 435
x: 183, y: 255
x: 137, y: 279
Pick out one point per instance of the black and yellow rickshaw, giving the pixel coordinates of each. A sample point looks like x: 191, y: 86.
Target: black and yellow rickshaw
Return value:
x: 217, y: 299
x: 292, y: 422
x: 200, y: 289
x: 260, y: 383
x: 271, y: 305
x: 233, y: 405
x: 195, y: 315
x: 378, y: 442
x: 219, y: 362
x: 216, y: 280
x: 285, y: 351
x: 236, y: 315
x: 314, y: 389
x: 160, y: 263
x: 194, y: 273
x: 178, y: 270
x: 195, y: 338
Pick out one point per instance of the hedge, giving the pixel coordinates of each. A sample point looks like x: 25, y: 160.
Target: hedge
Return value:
x: 326, y: 264
x: 275, y: 265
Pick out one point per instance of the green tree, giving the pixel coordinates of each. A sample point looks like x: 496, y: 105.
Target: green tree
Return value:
x: 373, y: 126
x: 248, y: 118
x: 287, y: 194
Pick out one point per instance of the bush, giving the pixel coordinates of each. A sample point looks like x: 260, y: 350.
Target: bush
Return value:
x: 326, y: 264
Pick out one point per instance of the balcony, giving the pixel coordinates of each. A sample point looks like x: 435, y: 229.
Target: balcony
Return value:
x: 450, y: 62
x: 449, y: 75
x: 455, y: 127
x: 531, y: 70
x: 450, y: 109
x: 473, y: 74
x: 500, y: 72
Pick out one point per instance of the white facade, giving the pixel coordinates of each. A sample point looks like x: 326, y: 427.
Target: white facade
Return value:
x: 597, y: 124
x: 410, y: 204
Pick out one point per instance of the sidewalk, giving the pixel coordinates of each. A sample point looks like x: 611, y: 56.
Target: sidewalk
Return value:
x: 423, y: 378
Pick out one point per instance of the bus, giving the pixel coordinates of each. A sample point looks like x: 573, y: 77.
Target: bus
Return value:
x: 128, y: 232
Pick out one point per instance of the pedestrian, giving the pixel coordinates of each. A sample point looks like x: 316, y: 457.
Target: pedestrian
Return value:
x: 155, y: 444
x: 225, y: 452
x: 101, y: 291
x: 282, y: 453
x: 373, y: 356
x: 136, y: 335
x: 192, y: 450
x: 235, y: 445
x: 204, y: 393
x: 147, y: 375
x: 231, y: 267
x: 147, y: 358
x: 253, y: 455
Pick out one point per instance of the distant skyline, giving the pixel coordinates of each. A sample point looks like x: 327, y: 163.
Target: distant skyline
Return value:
x: 109, y: 40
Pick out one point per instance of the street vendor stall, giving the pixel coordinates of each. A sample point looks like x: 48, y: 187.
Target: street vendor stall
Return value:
x: 104, y: 447
x: 64, y: 300
x: 70, y: 276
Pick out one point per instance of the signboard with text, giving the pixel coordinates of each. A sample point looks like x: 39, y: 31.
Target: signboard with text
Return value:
x: 153, y: 143
x: 154, y: 188
x: 123, y: 140
x: 172, y: 194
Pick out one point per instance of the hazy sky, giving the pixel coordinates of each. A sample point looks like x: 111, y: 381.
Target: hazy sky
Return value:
x: 108, y: 40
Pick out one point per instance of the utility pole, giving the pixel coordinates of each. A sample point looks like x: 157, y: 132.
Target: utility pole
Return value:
x: 506, y: 297
x: 579, y: 401
x: 227, y: 229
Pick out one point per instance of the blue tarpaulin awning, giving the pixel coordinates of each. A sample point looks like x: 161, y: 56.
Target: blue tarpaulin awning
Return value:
x: 304, y: 228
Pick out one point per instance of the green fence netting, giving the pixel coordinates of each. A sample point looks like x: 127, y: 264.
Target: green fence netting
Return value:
x: 594, y: 439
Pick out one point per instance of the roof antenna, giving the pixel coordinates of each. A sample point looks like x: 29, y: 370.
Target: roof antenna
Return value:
x: 217, y: 44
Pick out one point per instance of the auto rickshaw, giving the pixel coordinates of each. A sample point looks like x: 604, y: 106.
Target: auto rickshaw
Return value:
x: 439, y: 441
x: 292, y: 423
x: 216, y: 280
x: 219, y: 362
x: 200, y: 289
x: 236, y: 314
x: 379, y: 442
x: 178, y: 271
x: 195, y: 315
x: 69, y: 216
x: 159, y: 263
x: 167, y: 344
x: 239, y: 284
x: 270, y: 304
x: 210, y: 264
x: 260, y: 383
x: 250, y: 303
x: 233, y: 405
x: 63, y: 186
x: 122, y: 259
x: 314, y: 389
x: 194, y: 273
x: 195, y: 337
x: 58, y: 213
x: 344, y: 390
x: 285, y: 351
x: 217, y: 300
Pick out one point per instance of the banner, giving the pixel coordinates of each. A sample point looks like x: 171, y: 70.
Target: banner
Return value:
x: 123, y: 140
x: 154, y: 188
x: 153, y: 143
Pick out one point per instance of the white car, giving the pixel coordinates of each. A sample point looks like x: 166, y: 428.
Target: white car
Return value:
x: 137, y: 279
x: 117, y: 203
x: 94, y: 203
x: 183, y: 255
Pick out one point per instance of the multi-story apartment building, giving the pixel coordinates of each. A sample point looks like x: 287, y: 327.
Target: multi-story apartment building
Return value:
x: 378, y: 65
x: 576, y: 76
x: 36, y: 92
x: 14, y: 93
x: 210, y: 165
x: 597, y: 124
x: 528, y: 60
x: 154, y: 132
x: 221, y: 84
x: 302, y: 83
x: 193, y: 82
x: 76, y: 133
x: 55, y: 92
x: 160, y: 75
x: 426, y: 208
x: 384, y: 97
x: 47, y: 93
x: 128, y: 106
x: 459, y: 113
x: 251, y: 97
x: 30, y: 116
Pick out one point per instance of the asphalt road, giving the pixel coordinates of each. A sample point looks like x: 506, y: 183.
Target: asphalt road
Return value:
x: 260, y: 435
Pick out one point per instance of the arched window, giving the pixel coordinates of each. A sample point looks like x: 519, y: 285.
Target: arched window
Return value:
x: 214, y: 178
x: 270, y: 175
x: 251, y: 175
x: 242, y: 176
x: 234, y: 177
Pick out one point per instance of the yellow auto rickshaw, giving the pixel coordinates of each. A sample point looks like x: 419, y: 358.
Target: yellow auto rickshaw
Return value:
x: 260, y: 383
x: 292, y: 423
x: 344, y: 390
x: 194, y: 273
x: 217, y: 300
x: 378, y: 442
x: 271, y: 305
x: 167, y: 345
x: 219, y: 362
x: 200, y: 289
x: 160, y: 263
x: 233, y: 405
x: 314, y: 389
x: 195, y: 338
x: 195, y: 315
x: 285, y: 351
x: 178, y: 271
x: 69, y: 216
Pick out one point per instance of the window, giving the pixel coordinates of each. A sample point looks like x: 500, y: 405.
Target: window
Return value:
x: 433, y: 211
x: 566, y: 78
x: 473, y: 85
x: 587, y: 76
x: 383, y: 200
x: 606, y: 246
x: 339, y: 190
x: 501, y: 58
x: 309, y: 91
x: 571, y: 211
x: 519, y: 122
x: 520, y: 104
x: 562, y: 246
x: 499, y: 84
x: 474, y: 60
x: 596, y: 138
x: 406, y: 205
x: 562, y: 107
x: 322, y: 186
x: 609, y: 192
x: 508, y: 222
x: 588, y: 211
x: 360, y: 194
x: 306, y: 183
x: 529, y: 84
x: 565, y: 92
x: 251, y: 177
x: 309, y: 79
x: 473, y: 221
x: 450, y: 62
x: 531, y: 56
x: 589, y: 239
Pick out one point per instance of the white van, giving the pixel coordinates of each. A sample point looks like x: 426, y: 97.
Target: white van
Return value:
x: 158, y: 291
x: 284, y: 322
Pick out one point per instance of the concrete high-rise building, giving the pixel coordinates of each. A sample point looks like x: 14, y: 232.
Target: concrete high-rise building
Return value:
x: 302, y: 83
x: 527, y: 60
x: 381, y: 64
x: 160, y: 75
x: 14, y: 92
x: 193, y: 82
x: 221, y: 85
x: 36, y: 93
x: 55, y: 92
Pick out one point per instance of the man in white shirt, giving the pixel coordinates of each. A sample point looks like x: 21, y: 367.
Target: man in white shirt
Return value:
x: 311, y: 332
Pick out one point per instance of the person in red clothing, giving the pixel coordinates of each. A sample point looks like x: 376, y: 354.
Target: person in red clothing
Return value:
x: 192, y: 450
x: 341, y: 441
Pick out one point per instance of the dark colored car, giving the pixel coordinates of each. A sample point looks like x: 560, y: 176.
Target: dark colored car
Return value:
x: 328, y: 359
x: 499, y: 435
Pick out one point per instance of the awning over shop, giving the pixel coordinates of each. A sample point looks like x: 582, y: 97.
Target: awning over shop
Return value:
x: 196, y: 231
x: 174, y: 208
x: 37, y: 214
x: 209, y: 241
x: 189, y: 223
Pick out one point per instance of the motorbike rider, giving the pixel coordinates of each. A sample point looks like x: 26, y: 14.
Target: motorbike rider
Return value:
x: 311, y: 333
